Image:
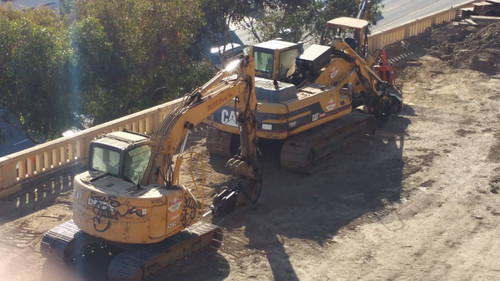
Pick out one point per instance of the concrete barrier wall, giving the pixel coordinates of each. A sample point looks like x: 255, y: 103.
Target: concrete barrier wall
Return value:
x: 382, y: 38
x: 47, y: 157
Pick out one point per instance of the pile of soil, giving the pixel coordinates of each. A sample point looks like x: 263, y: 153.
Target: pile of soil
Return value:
x: 474, y: 47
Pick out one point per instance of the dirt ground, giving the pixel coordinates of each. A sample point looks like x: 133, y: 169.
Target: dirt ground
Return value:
x: 418, y: 201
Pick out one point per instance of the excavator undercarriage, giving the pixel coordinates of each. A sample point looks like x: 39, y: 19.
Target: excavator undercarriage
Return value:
x: 303, y: 153
x: 121, y: 261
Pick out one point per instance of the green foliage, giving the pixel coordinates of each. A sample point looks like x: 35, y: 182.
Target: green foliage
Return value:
x: 294, y: 20
x: 34, y: 65
x: 128, y: 49
x: 101, y: 58
x: 219, y: 15
x: 109, y: 58
x: 289, y: 20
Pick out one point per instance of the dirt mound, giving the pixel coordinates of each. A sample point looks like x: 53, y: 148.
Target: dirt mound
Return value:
x: 461, y: 46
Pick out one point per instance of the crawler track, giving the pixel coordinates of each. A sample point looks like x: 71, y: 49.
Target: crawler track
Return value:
x: 301, y: 153
x: 126, y: 261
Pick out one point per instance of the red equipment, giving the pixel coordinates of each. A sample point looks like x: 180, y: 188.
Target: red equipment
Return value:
x: 384, y: 70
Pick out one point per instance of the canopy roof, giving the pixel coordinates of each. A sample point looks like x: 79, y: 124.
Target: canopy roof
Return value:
x: 346, y: 22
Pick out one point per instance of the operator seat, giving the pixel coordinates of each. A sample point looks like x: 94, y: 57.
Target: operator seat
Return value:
x: 352, y: 43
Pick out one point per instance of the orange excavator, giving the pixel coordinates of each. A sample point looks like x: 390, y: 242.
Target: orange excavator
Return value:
x: 131, y: 215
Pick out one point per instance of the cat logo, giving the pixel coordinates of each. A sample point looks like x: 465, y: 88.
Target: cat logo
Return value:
x: 228, y: 118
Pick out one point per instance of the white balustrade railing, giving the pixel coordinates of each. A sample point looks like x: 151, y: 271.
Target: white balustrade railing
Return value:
x: 47, y: 157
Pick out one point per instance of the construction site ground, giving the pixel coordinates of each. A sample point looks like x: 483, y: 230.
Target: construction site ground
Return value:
x: 417, y: 201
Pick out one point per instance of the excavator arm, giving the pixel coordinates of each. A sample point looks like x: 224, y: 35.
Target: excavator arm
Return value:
x: 196, y: 107
x: 383, y: 98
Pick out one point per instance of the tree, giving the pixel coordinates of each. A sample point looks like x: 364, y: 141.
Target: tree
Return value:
x: 103, y: 59
x: 295, y: 20
x: 219, y: 15
x: 289, y: 20
x: 34, y: 67
x: 133, y: 48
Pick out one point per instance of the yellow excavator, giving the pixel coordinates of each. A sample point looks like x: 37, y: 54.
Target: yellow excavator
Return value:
x: 130, y: 213
x: 315, y: 100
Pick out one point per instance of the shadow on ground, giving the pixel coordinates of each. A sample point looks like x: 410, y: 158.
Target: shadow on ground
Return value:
x: 365, y: 177
x: 39, y: 193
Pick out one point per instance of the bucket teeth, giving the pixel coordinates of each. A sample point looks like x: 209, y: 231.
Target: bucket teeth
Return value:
x: 241, y: 168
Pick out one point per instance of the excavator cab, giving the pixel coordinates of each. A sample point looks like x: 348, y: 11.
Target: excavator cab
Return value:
x: 353, y: 31
x: 275, y: 59
x: 121, y: 154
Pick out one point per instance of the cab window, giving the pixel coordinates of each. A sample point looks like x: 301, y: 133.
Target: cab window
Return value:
x: 264, y: 62
x: 136, y: 161
x: 105, y: 160
x: 287, y: 63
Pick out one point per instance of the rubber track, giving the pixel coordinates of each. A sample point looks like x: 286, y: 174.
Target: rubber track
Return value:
x: 133, y: 261
x: 55, y: 241
x: 140, y: 262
